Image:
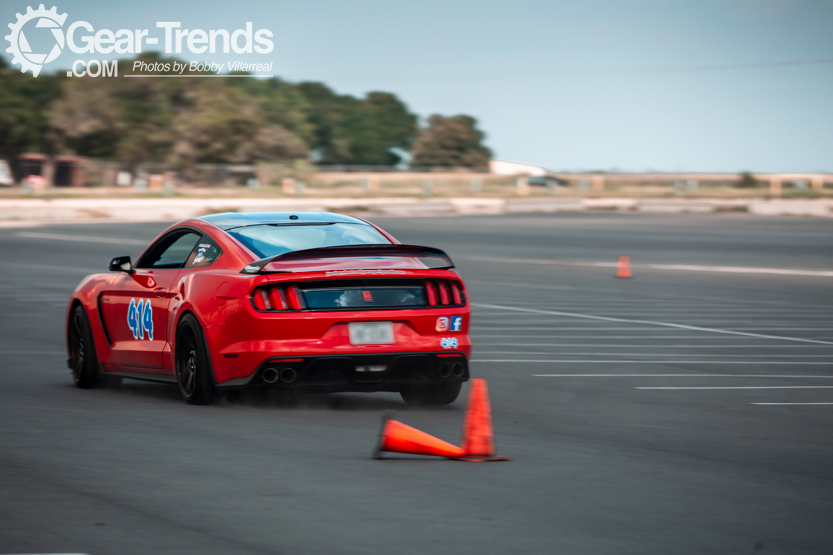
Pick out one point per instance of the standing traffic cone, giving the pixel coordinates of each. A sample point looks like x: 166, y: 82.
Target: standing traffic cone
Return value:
x: 397, y: 437
x: 478, y: 436
x: 624, y: 269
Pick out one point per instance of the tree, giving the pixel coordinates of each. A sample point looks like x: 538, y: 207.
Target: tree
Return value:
x: 242, y: 120
x: 453, y: 141
x: 377, y: 124
x: 24, y: 125
x: 746, y: 180
x: 126, y: 119
x: 221, y: 124
x: 179, y: 121
x: 350, y: 130
x: 281, y: 104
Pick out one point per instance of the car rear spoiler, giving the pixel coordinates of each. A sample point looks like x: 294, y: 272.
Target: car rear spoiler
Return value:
x: 431, y: 257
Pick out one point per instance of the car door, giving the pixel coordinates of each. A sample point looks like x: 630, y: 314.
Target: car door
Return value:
x: 135, y: 307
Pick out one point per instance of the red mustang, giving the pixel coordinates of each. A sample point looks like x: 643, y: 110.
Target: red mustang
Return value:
x: 295, y: 301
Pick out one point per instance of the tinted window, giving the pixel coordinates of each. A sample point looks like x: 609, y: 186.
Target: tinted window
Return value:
x: 271, y: 240
x: 204, y: 253
x: 365, y: 297
x: 170, y: 252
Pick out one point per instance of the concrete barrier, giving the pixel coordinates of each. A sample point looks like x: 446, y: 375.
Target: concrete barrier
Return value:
x: 545, y: 205
x: 791, y: 208
x: 674, y: 207
x: 166, y: 209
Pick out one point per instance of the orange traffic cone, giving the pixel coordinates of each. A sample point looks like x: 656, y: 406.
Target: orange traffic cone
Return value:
x: 478, y: 435
x: 624, y: 269
x: 397, y: 437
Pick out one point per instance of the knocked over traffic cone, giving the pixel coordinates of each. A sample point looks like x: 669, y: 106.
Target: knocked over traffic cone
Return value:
x: 624, y: 269
x: 397, y: 437
x: 478, y: 435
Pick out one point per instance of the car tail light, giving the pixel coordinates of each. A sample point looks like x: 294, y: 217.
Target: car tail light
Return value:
x: 334, y: 295
x: 444, y: 293
x: 457, y: 294
x: 276, y: 298
x: 268, y: 299
x: 432, y: 293
x: 294, y: 298
x: 260, y: 299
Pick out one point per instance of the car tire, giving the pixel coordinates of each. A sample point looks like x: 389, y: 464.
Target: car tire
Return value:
x: 431, y: 395
x: 83, y: 361
x: 193, y: 367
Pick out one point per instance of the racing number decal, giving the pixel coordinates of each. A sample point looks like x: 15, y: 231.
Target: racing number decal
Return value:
x: 448, y: 343
x: 140, y: 319
x: 147, y: 319
x: 132, y: 321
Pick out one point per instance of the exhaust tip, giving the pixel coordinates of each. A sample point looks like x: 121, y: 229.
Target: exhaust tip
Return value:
x: 288, y: 375
x: 270, y: 375
x: 458, y: 370
x: 444, y: 371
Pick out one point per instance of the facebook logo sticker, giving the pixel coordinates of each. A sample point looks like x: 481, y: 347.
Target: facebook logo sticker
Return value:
x: 456, y: 323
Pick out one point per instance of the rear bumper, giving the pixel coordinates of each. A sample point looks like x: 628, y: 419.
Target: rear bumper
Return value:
x: 355, y: 372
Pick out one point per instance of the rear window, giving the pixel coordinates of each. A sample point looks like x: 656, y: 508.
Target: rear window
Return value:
x: 364, y: 297
x: 271, y: 240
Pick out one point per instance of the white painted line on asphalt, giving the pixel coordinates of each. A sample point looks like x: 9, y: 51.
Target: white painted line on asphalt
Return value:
x: 740, y: 323
x: 79, y: 238
x: 632, y: 328
x: 56, y: 269
x: 679, y: 267
x: 36, y: 353
x: 649, y: 322
x: 677, y: 376
x: 632, y: 346
x: 524, y: 285
x: 748, y: 387
x: 563, y: 353
x: 585, y: 361
x: 777, y: 404
x: 710, y: 338
x: 646, y: 307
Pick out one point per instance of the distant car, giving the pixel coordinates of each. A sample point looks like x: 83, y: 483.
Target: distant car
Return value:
x: 547, y: 181
x: 6, y: 179
x: 294, y: 301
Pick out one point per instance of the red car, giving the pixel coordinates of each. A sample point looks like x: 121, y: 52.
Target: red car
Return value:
x: 293, y: 301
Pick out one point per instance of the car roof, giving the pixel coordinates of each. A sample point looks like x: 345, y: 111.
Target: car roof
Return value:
x: 231, y: 220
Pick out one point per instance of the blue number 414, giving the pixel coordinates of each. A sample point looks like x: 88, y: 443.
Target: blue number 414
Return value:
x: 140, y: 318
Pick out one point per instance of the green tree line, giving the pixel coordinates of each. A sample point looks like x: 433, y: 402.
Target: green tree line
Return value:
x: 236, y: 120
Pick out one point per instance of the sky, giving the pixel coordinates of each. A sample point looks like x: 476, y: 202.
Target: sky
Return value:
x: 729, y: 85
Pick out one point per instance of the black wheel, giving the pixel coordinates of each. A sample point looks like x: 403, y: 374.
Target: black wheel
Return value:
x: 82, y: 359
x: 193, y: 372
x: 431, y: 395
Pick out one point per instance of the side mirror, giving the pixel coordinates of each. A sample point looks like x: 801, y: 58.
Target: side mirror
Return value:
x: 121, y: 264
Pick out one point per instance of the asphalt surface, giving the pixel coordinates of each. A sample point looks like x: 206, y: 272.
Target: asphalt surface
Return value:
x: 600, y: 465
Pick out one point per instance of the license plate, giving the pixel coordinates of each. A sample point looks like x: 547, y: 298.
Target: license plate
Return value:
x: 370, y: 333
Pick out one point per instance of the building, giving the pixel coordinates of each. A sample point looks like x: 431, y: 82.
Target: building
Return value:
x: 69, y: 171
x: 506, y: 167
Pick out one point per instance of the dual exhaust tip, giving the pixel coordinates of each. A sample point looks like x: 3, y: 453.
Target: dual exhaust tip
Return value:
x: 448, y: 370
x: 285, y: 375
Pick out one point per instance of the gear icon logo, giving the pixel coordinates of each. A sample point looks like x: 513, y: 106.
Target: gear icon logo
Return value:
x: 20, y: 49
